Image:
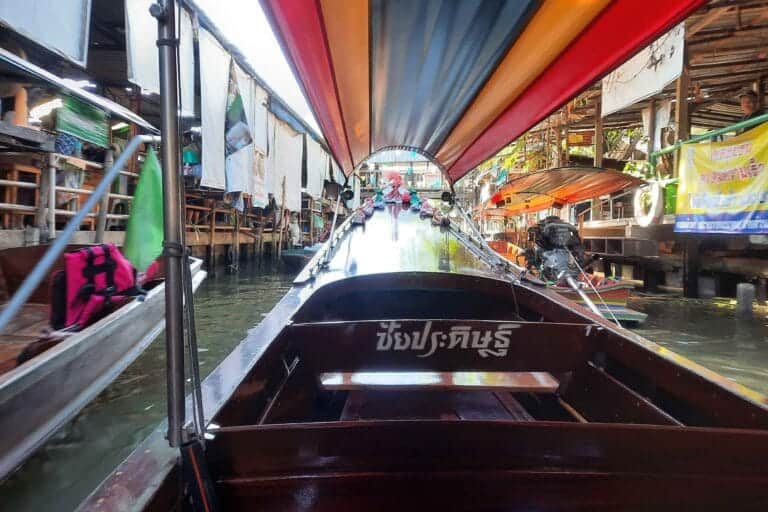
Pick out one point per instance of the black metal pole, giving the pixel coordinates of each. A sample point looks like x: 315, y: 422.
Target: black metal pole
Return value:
x: 167, y: 42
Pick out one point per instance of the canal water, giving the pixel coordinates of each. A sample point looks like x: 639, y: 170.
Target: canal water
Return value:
x: 71, y: 464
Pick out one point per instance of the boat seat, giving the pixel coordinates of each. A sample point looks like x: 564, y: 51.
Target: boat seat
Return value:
x: 25, y: 330
x: 427, y: 405
x: 11, y: 348
x: 516, y: 382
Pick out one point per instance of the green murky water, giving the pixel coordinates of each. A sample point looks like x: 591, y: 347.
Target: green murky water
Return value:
x: 708, y: 332
x: 76, y: 459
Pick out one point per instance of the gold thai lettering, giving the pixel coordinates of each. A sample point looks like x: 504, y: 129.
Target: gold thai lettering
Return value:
x: 459, y: 336
x: 487, y: 343
x: 386, y: 338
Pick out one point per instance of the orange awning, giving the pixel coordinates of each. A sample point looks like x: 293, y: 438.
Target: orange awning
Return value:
x: 565, y: 185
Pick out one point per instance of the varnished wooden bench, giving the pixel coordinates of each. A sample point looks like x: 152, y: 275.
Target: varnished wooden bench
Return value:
x: 414, y: 395
x: 515, y: 382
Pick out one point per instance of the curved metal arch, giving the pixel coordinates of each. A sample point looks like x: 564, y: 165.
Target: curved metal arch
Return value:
x: 430, y: 158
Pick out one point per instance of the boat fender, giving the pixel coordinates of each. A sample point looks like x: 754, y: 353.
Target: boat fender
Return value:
x: 653, y: 214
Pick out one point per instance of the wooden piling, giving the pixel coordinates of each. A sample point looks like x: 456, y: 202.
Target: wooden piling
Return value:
x: 691, y: 267
x: 211, y: 239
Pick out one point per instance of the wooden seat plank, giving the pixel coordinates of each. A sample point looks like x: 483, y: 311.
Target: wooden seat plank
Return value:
x: 518, y: 382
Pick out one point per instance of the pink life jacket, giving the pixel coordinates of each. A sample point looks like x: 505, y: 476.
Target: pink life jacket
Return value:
x: 94, y: 280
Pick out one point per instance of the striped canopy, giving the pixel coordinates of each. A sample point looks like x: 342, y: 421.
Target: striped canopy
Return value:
x: 454, y: 79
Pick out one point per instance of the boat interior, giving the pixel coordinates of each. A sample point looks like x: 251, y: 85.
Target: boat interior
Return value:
x: 30, y: 332
x: 27, y: 334
x: 416, y: 373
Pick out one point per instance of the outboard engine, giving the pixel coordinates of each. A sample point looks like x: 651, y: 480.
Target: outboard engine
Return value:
x: 553, y: 243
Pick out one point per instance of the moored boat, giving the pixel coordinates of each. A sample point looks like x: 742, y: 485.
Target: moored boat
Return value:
x: 61, y: 371
x: 296, y: 259
x: 558, y: 188
x: 608, y: 295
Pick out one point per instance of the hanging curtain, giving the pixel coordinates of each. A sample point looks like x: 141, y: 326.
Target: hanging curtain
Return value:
x: 214, y: 81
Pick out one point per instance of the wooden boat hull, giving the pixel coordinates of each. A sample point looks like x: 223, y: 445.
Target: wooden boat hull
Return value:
x: 39, y: 396
x: 610, y: 299
x: 630, y: 425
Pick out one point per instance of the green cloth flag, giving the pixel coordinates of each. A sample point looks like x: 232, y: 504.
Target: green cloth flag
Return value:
x: 144, y: 235
x: 83, y: 121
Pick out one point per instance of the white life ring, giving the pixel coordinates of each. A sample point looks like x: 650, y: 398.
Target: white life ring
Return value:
x: 654, y: 213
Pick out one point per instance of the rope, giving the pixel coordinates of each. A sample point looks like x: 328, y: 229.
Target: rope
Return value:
x: 198, y: 417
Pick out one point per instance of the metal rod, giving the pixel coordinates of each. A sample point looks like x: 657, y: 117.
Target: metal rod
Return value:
x: 167, y: 42
x: 101, y: 220
x: 575, y: 287
x: 19, y: 184
x: 41, y: 270
x: 748, y: 123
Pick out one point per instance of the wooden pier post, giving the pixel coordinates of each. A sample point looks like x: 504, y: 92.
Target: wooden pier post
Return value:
x: 691, y: 267
x: 598, y: 138
x: 236, y: 243
x: 211, y: 239
x: 280, y: 222
x: 651, y: 126
x: 762, y: 291
x: 682, y: 117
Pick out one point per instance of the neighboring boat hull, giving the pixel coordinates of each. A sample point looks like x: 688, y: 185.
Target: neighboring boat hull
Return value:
x: 39, y: 396
x: 296, y: 259
x: 610, y: 299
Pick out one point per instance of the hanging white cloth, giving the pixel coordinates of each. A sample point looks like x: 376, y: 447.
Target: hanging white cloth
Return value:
x: 214, y: 64
x: 288, y: 156
x: 142, y: 56
x: 317, y: 168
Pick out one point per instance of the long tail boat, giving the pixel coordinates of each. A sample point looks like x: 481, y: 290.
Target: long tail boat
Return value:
x: 409, y: 367
x: 559, y: 187
x: 59, y: 372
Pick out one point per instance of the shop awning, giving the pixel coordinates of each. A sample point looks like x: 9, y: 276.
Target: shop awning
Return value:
x: 565, y: 185
x: 18, y: 69
x: 456, y: 80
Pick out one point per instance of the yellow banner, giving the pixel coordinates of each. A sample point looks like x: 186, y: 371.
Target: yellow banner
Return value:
x: 724, y: 185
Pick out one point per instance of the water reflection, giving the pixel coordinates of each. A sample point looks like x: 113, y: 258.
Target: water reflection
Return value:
x: 709, y: 333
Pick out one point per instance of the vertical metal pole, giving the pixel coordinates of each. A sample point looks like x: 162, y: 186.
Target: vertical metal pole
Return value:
x: 167, y: 42
x: 101, y: 220
x: 51, y: 197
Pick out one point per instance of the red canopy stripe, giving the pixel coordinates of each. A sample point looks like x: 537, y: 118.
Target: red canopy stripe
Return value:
x: 619, y: 32
x: 300, y: 29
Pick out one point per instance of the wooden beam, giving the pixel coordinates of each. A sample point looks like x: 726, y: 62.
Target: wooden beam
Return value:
x: 705, y: 21
x: 651, y: 126
x: 757, y: 86
x: 598, y: 139
x: 682, y: 115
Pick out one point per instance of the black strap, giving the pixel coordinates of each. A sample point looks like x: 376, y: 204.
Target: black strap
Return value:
x: 110, y: 265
